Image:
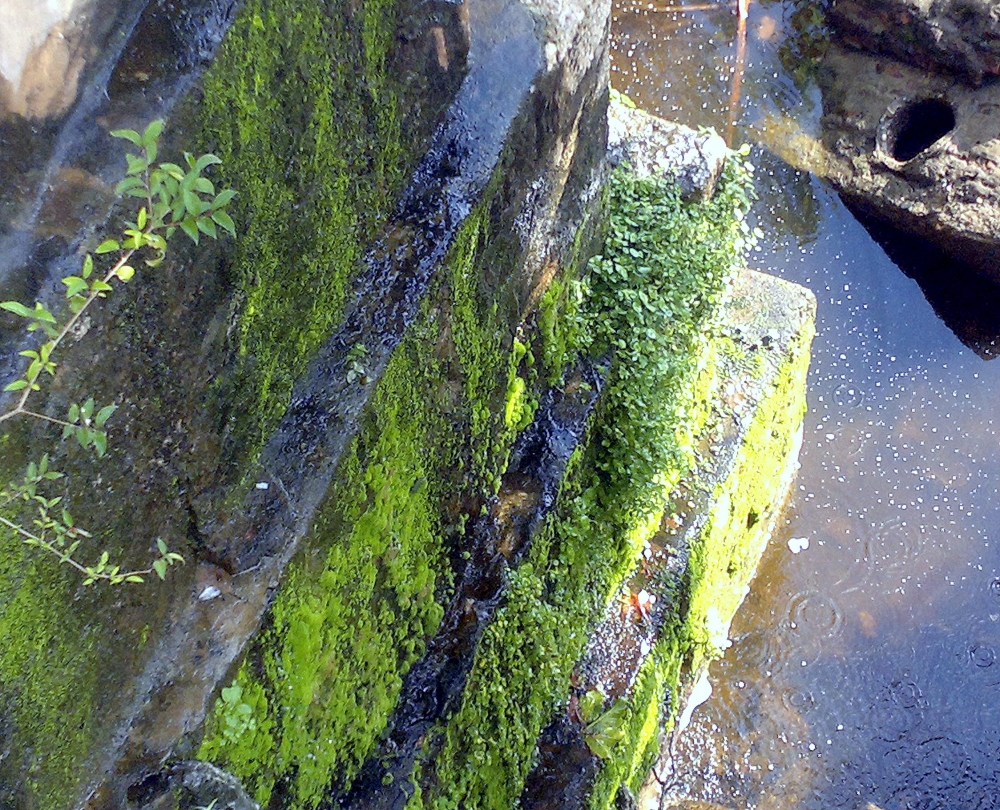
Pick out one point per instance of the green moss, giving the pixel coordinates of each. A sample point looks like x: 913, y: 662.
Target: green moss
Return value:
x: 723, y: 558
x: 48, y: 672
x: 648, y: 302
x: 317, y: 157
x: 360, y: 601
x: 350, y: 622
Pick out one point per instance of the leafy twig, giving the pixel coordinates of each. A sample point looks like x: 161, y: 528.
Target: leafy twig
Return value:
x: 173, y: 198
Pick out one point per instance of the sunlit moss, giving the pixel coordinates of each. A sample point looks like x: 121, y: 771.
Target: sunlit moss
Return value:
x: 670, y: 258
x: 357, y: 607
x: 317, y: 157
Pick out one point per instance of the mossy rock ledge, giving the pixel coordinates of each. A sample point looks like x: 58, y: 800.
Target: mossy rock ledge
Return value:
x: 416, y: 445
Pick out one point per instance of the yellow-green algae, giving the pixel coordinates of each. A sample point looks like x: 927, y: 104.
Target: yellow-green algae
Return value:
x: 670, y: 259
x: 722, y: 561
x: 360, y: 602
x: 47, y: 672
x: 307, y: 119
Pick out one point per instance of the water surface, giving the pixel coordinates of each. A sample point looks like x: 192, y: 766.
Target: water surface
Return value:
x: 864, y: 667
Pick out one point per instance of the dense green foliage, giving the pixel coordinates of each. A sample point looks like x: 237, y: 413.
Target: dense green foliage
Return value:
x: 651, y: 296
x: 647, y: 303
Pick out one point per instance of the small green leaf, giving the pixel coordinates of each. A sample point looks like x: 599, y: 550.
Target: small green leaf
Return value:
x: 206, y: 226
x: 205, y: 161
x: 136, y: 165
x: 74, y: 285
x: 125, y: 273
x: 107, y: 246
x: 17, y: 309
x: 223, y: 220
x: 189, y: 227
x: 161, y: 546
x: 173, y: 170
x: 590, y: 705
x: 17, y: 385
x: 40, y: 313
x: 134, y: 578
x: 104, y: 414
x: 152, y: 132
x: 141, y: 218
x: 128, y: 135
x: 160, y: 566
x: 203, y: 185
x: 192, y: 202
x: 222, y: 199
x: 128, y: 184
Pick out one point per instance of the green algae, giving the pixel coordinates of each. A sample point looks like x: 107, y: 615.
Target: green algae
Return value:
x: 302, y: 109
x: 353, y: 613
x: 611, y: 491
x: 360, y: 601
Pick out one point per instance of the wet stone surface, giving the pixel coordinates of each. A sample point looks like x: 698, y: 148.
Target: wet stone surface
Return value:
x: 853, y: 676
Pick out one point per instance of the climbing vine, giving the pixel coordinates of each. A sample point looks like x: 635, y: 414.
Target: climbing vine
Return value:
x: 171, y: 197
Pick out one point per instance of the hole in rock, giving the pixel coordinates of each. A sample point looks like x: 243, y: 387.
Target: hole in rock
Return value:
x: 918, y: 125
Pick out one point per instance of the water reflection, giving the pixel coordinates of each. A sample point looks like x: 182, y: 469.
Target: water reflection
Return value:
x: 864, y: 668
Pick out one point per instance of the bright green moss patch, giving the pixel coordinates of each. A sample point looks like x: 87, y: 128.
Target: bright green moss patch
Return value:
x: 309, y: 703
x: 647, y: 303
x: 723, y: 556
x: 724, y: 559
x: 350, y: 622
x: 306, y: 118
x: 48, y: 672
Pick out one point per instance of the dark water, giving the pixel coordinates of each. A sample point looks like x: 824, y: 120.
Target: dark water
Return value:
x: 864, y: 667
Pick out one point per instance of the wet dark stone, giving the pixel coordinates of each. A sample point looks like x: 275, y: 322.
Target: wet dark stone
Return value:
x: 565, y: 770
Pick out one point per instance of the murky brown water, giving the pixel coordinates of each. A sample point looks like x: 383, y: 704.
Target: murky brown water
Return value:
x: 864, y: 666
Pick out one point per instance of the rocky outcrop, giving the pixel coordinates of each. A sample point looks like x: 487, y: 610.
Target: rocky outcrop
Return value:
x: 410, y: 439
x: 917, y: 149
x: 910, y: 124
x: 652, y: 146
x: 962, y: 36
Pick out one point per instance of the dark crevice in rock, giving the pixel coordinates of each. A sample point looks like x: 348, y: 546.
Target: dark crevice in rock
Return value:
x: 916, y: 126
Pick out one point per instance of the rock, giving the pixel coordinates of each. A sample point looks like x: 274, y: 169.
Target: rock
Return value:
x: 960, y: 35
x: 208, y: 785
x: 654, y: 146
x: 917, y: 149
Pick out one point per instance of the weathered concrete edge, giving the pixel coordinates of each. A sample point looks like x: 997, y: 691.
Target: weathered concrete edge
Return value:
x: 683, y: 636
x: 786, y: 380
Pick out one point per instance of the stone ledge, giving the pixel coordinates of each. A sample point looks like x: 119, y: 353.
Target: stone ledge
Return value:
x: 672, y: 617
